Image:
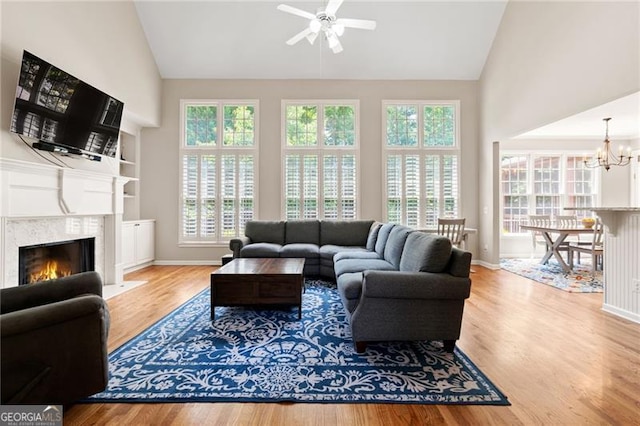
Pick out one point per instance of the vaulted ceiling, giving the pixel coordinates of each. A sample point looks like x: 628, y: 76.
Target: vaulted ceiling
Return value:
x: 423, y: 40
x: 414, y: 40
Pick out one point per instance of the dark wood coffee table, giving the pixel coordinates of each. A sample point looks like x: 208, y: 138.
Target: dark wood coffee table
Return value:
x: 258, y: 282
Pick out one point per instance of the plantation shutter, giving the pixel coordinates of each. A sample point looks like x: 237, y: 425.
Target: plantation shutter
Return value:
x: 189, y: 195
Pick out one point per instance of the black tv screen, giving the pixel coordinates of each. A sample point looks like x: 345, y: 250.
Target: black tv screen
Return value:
x: 62, y: 111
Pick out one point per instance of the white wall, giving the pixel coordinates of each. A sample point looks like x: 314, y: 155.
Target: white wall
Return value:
x: 550, y: 60
x: 101, y: 43
x: 159, y: 168
x: 634, y: 186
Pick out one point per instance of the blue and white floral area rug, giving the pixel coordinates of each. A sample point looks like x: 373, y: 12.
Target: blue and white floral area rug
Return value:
x: 270, y: 356
x: 579, y: 280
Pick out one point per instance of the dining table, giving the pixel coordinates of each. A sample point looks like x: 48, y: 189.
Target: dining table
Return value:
x: 554, y: 236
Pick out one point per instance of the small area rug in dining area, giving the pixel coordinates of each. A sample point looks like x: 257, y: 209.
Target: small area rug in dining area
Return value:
x: 579, y: 280
x: 261, y: 355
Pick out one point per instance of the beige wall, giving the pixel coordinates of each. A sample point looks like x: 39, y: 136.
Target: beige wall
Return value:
x: 101, y: 43
x: 550, y: 60
x: 159, y: 168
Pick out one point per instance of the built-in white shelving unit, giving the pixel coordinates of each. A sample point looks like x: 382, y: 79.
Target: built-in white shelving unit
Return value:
x: 130, y: 169
x: 138, y: 235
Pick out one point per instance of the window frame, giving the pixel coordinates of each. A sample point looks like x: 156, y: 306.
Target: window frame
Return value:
x: 530, y: 194
x: 321, y: 151
x: 218, y: 150
x: 423, y: 151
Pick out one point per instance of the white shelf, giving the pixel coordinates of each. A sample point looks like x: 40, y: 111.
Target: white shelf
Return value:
x: 130, y: 170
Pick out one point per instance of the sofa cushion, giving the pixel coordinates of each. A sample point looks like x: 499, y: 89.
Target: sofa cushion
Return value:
x: 344, y: 232
x: 300, y: 250
x: 395, y: 244
x: 265, y: 231
x: 425, y: 253
x: 359, y: 265
x: 373, y: 236
x: 383, y: 234
x: 261, y: 250
x: 329, y: 250
x: 302, y: 231
x: 353, y: 254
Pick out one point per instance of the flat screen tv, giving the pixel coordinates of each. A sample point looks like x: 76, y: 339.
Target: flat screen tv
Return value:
x: 64, y: 113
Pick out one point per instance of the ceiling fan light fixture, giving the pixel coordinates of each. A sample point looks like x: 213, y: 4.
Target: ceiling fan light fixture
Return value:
x: 325, y: 21
x: 338, y: 29
x: 332, y: 39
x: 315, y: 25
x: 311, y: 38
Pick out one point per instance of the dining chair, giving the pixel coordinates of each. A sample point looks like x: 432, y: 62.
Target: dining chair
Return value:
x: 568, y: 221
x: 536, y: 237
x: 452, y: 229
x: 595, y: 249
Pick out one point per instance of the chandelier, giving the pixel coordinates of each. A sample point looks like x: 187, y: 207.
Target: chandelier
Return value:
x: 605, y: 156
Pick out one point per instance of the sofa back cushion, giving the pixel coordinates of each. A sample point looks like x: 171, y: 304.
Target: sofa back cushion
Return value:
x: 373, y: 236
x: 395, y: 244
x: 383, y: 235
x: 345, y: 232
x: 264, y: 231
x: 302, y: 231
x: 425, y: 253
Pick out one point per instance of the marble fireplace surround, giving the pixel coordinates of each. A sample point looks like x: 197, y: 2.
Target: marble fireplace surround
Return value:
x: 42, y: 204
x: 25, y: 232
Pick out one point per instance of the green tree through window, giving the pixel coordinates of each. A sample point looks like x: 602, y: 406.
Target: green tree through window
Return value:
x: 219, y: 153
x: 320, y: 146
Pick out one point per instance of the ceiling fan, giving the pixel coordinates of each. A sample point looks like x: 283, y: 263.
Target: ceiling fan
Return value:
x: 325, y: 20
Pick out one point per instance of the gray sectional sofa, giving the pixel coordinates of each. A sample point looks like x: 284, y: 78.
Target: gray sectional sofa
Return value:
x: 396, y: 283
x: 317, y: 241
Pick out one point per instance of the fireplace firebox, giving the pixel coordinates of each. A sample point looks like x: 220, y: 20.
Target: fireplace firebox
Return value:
x: 43, y: 262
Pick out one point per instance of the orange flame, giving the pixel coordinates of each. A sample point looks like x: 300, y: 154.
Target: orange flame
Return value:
x: 50, y: 271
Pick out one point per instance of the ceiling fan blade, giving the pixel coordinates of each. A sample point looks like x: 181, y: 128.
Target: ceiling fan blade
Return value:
x: 296, y: 38
x: 362, y: 24
x: 333, y: 6
x: 295, y: 11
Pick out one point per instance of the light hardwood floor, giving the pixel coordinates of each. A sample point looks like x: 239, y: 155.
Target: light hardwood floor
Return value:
x: 558, y: 357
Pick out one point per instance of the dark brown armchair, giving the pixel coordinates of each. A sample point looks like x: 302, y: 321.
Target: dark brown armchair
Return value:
x: 54, y: 340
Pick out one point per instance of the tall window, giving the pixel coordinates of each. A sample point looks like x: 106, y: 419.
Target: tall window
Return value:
x: 421, y: 152
x: 320, y: 151
x: 219, y: 155
x: 543, y: 184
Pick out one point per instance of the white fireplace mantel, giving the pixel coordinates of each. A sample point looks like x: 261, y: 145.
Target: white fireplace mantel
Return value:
x: 33, y: 191
x: 42, y: 190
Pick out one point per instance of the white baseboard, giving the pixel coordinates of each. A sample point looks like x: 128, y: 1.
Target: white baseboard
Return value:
x: 631, y: 316
x: 487, y: 265
x: 188, y: 262
x: 136, y: 267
